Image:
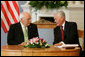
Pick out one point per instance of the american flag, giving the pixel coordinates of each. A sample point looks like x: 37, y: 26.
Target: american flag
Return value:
x: 9, y: 14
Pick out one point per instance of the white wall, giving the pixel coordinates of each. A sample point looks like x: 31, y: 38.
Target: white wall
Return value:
x: 77, y: 15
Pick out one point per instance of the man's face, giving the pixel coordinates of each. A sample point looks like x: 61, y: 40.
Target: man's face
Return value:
x: 26, y: 20
x: 59, y: 20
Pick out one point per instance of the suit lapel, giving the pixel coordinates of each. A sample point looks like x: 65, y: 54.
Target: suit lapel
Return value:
x: 21, y: 32
x: 29, y: 31
x: 65, y: 29
x: 59, y: 34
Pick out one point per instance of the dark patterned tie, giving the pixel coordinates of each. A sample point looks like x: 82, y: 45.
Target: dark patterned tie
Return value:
x: 62, y: 31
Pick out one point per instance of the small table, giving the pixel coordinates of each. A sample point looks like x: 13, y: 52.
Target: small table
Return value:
x: 17, y: 50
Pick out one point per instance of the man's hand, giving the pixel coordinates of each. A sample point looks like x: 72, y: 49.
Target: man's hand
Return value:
x: 59, y: 44
x: 23, y: 43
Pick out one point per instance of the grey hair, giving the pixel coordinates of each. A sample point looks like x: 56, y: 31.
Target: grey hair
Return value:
x: 61, y: 13
x: 22, y: 15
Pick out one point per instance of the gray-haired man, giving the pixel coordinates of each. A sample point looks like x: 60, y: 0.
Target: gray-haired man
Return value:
x: 21, y: 32
x: 65, y: 31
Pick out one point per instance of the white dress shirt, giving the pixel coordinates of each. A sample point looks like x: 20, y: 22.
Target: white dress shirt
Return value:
x: 23, y: 26
x: 63, y: 25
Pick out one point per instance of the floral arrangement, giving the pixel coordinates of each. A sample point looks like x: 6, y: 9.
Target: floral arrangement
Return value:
x: 37, y: 43
x: 48, y: 4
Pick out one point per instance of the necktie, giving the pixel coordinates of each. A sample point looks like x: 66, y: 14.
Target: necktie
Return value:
x: 62, y: 32
x: 25, y: 34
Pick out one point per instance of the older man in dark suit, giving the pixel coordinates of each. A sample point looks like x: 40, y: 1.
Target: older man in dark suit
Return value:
x: 65, y: 31
x: 21, y: 32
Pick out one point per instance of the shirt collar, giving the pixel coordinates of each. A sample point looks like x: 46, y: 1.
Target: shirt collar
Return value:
x: 22, y: 25
x: 63, y: 25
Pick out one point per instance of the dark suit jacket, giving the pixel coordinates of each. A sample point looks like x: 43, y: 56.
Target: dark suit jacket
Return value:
x: 70, y: 34
x: 15, y: 33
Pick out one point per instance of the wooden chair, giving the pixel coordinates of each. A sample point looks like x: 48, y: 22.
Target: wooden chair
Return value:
x: 81, y: 35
